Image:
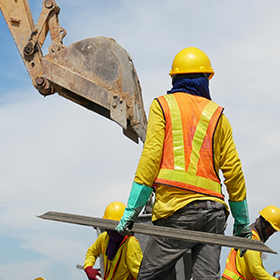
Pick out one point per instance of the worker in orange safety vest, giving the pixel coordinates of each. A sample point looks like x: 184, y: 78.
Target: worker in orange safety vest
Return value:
x: 122, y: 255
x: 188, y: 141
x: 250, y: 266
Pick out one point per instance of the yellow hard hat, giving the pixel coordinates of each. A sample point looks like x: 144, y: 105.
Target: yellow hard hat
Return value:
x: 114, y: 211
x: 40, y: 278
x: 191, y: 60
x: 272, y: 215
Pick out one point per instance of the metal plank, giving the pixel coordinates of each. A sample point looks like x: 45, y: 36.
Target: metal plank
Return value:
x: 188, y: 235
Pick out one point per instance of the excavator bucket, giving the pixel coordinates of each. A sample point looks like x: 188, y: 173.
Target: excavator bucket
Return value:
x: 99, y: 74
x: 96, y: 73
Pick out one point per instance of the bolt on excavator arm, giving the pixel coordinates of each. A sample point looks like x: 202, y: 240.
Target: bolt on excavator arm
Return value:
x: 96, y: 73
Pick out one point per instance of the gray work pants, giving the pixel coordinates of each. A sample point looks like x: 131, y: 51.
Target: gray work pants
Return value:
x: 162, y: 253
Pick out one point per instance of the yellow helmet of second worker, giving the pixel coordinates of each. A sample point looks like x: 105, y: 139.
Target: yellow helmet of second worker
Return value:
x: 191, y: 60
x: 272, y: 215
x: 114, y: 211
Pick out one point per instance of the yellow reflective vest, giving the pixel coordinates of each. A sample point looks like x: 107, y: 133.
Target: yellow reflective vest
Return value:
x: 125, y: 265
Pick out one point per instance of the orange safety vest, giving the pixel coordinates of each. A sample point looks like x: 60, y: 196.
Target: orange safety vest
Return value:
x: 188, y: 158
x: 109, y: 271
x: 231, y: 272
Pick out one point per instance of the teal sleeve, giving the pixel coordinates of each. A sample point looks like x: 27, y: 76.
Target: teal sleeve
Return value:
x: 139, y: 196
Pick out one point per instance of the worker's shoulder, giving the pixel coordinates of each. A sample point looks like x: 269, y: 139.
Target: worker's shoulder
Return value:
x: 103, y: 236
x: 223, y: 121
x: 132, y: 247
x: 131, y: 239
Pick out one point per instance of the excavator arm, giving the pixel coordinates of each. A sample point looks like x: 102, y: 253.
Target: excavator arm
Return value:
x: 96, y: 73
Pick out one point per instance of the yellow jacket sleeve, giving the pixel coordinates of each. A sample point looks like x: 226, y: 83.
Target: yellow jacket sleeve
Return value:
x: 128, y: 264
x: 150, y: 160
x: 134, y: 256
x: 227, y: 160
x: 95, y: 250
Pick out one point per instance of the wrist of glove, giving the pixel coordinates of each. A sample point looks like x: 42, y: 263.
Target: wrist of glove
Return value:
x: 92, y: 273
x: 242, y: 230
x: 138, y: 197
x: 240, y: 213
x: 126, y: 223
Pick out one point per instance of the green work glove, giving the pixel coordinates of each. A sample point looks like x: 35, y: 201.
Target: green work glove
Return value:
x: 240, y: 213
x: 138, y: 197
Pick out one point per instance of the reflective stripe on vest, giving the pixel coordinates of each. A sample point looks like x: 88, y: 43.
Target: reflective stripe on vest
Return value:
x: 187, y: 160
x: 231, y: 271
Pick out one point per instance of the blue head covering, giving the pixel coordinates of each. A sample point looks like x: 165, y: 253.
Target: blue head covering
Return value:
x: 195, y: 86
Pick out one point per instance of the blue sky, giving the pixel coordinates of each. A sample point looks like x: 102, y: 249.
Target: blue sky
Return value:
x: 56, y: 155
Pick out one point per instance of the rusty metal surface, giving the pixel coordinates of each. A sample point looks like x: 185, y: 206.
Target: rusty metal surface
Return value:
x: 96, y: 73
x: 100, y: 71
x: 19, y: 19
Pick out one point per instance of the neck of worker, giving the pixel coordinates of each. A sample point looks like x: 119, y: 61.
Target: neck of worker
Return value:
x: 114, y: 243
x: 198, y: 86
x: 261, y: 226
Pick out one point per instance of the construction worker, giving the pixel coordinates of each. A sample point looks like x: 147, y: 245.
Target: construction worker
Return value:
x: 188, y: 141
x: 122, y: 255
x: 250, y: 267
